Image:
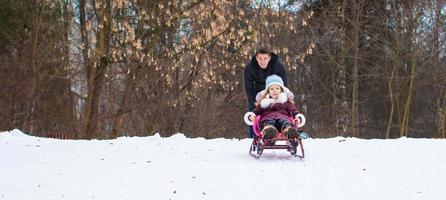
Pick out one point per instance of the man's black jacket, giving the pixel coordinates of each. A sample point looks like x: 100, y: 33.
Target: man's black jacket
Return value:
x: 255, y: 76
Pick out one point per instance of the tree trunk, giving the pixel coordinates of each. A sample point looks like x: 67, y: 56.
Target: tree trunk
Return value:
x: 87, y: 66
x: 32, y: 97
x: 124, y: 105
x: 97, y: 71
x: 405, y: 125
x: 356, y: 10
x: 392, y: 100
x: 411, y: 32
x: 438, y: 78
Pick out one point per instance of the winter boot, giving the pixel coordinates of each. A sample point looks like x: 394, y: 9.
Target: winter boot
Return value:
x: 291, y: 133
x: 269, y: 132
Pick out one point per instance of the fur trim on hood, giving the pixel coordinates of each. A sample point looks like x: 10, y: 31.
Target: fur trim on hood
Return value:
x: 267, y: 102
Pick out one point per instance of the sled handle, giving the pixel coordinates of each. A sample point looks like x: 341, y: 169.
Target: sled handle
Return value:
x: 301, y: 121
x: 246, y: 118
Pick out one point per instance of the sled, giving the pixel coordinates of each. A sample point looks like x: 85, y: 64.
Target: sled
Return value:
x: 280, y: 141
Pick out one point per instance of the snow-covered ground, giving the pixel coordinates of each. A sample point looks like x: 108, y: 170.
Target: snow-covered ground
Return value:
x: 177, y: 167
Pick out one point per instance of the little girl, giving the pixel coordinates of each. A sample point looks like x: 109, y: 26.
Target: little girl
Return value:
x: 276, y: 110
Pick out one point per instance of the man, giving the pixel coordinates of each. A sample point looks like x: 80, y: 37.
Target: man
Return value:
x: 263, y: 64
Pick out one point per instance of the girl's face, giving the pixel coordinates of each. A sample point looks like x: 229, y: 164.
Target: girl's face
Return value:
x: 274, y: 90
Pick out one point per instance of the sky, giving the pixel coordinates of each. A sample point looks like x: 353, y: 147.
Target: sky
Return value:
x: 178, y: 167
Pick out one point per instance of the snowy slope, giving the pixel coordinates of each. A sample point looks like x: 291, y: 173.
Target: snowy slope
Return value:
x: 181, y: 168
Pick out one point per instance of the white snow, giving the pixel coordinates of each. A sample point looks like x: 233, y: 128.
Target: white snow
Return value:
x: 183, y: 168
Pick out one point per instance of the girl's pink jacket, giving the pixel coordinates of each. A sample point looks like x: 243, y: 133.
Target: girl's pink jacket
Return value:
x: 285, y: 110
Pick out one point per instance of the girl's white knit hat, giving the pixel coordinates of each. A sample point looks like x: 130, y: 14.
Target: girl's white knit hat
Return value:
x: 274, y: 79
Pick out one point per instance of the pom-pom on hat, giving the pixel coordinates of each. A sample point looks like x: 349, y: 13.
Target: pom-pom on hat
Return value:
x: 274, y: 79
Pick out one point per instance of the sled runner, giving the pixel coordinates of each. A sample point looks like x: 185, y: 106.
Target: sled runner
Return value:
x: 280, y: 141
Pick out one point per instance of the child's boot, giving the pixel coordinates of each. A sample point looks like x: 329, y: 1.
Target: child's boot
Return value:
x: 291, y: 133
x: 269, y: 132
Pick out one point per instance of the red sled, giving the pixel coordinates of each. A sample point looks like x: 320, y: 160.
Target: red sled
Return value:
x: 259, y: 144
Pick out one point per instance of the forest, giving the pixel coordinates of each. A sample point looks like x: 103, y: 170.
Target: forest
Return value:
x: 101, y: 69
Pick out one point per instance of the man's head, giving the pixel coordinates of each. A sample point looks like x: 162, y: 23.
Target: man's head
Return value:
x: 263, y: 56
